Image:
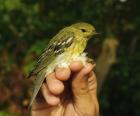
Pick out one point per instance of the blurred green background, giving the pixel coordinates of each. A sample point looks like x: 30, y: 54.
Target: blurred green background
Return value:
x: 26, y: 26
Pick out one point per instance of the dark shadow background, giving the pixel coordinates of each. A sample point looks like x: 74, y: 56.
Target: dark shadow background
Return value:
x: 26, y: 26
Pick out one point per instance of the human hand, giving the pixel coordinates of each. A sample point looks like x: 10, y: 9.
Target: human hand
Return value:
x: 68, y: 92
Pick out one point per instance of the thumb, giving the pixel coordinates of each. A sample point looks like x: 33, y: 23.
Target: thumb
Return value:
x: 80, y: 80
x: 81, y: 95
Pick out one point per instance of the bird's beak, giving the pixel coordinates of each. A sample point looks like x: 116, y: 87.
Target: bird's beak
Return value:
x: 94, y: 34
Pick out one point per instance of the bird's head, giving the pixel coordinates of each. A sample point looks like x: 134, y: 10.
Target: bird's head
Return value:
x: 87, y: 30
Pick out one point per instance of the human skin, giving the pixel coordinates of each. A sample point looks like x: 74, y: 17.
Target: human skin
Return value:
x: 68, y: 92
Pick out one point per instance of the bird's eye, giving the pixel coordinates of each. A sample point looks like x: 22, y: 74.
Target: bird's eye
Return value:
x: 83, y: 30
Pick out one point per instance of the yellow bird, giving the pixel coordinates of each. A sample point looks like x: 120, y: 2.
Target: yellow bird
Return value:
x: 68, y: 45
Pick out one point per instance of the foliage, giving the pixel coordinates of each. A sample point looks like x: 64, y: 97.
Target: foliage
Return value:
x: 26, y: 27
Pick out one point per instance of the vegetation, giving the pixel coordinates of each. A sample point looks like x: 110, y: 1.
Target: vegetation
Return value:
x: 26, y: 26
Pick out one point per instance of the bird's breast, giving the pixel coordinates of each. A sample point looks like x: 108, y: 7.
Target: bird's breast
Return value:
x: 64, y: 59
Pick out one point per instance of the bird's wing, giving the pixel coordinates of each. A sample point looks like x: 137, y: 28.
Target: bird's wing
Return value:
x: 55, y: 47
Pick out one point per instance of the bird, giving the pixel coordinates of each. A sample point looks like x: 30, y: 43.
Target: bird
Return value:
x: 66, y: 46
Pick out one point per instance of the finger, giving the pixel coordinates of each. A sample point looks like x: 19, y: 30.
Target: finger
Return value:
x: 62, y: 74
x: 49, y: 97
x: 76, y: 66
x: 92, y: 84
x: 55, y: 86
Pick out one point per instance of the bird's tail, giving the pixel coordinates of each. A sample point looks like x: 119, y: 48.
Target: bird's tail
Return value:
x: 37, y: 85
